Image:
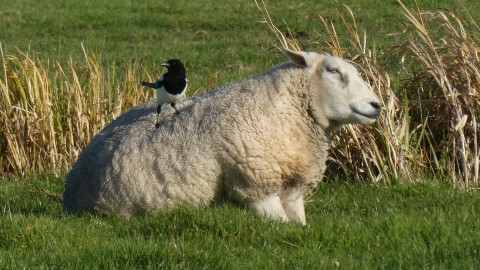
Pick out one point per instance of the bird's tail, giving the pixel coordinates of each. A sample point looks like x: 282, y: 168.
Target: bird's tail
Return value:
x: 151, y: 85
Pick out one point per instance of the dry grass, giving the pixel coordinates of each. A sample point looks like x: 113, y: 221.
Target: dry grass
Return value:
x: 50, y: 112
x: 445, y: 91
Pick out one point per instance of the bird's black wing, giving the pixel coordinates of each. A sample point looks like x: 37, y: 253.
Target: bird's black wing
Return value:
x: 154, y: 85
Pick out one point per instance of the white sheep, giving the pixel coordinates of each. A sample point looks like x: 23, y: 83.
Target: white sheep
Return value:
x: 262, y: 141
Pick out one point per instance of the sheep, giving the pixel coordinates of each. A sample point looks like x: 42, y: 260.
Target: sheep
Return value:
x: 262, y: 142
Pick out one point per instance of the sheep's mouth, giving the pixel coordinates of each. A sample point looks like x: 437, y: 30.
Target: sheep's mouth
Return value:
x: 372, y: 116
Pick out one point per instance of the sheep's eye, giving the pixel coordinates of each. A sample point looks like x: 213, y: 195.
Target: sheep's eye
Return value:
x: 333, y: 70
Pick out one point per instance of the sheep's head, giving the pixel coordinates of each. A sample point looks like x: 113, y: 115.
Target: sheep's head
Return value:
x: 337, y: 93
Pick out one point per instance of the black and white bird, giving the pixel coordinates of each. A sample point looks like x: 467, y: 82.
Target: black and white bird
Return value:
x: 171, y: 87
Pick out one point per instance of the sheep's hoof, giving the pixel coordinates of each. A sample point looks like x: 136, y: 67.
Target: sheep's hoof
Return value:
x: 157, y: 125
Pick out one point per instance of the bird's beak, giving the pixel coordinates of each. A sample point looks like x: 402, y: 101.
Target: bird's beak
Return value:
x: 165, y: 64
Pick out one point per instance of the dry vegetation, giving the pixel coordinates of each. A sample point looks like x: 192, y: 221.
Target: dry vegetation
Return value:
x: 49, y: 112
x: 445, y: 93
x: 431, y: 126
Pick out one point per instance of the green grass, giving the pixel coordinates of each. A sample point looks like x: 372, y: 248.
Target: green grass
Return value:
x: 358, y: 226
x: 219, y: 43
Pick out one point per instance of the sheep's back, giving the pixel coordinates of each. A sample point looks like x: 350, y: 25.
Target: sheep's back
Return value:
x: 131, y: 167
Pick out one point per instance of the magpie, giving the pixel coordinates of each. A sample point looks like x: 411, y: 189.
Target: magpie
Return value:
x: 171, y: 86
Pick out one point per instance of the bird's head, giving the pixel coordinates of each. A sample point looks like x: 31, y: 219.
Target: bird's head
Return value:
x: 174, y: 65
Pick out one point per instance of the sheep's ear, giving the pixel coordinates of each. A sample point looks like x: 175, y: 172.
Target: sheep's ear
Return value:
x: 299, y: 58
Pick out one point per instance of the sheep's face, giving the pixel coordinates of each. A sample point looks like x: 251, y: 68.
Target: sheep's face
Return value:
x: 338, y: 94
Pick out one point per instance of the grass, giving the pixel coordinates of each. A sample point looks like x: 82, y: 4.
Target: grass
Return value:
x: 350, y: 226
x: 207, y: 36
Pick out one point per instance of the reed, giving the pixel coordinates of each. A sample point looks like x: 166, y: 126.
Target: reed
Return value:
x: 444, y: 90
x: 50, y: 111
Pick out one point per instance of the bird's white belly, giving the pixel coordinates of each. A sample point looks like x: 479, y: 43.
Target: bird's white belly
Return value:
x: 164, y: 97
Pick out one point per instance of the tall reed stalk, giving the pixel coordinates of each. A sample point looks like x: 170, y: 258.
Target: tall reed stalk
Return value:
x: 49, y: 111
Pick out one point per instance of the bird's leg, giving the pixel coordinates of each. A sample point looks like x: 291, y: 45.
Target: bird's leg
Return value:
x: 159, y: 109
x: 173, y: 105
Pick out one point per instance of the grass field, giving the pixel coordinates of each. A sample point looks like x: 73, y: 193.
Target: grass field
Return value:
x: 415, y: 226
x: 209, y: 37
x: 399, y: 226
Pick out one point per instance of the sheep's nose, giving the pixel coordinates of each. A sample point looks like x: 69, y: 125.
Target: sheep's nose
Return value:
x: 377, y: 106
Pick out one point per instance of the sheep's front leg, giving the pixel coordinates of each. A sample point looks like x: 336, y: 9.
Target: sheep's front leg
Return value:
x: 270, y: 207
x: 292, y: 203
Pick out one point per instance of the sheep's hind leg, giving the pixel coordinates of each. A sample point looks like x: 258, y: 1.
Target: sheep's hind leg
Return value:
x: 270, y: 207
x: 292, y: 202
